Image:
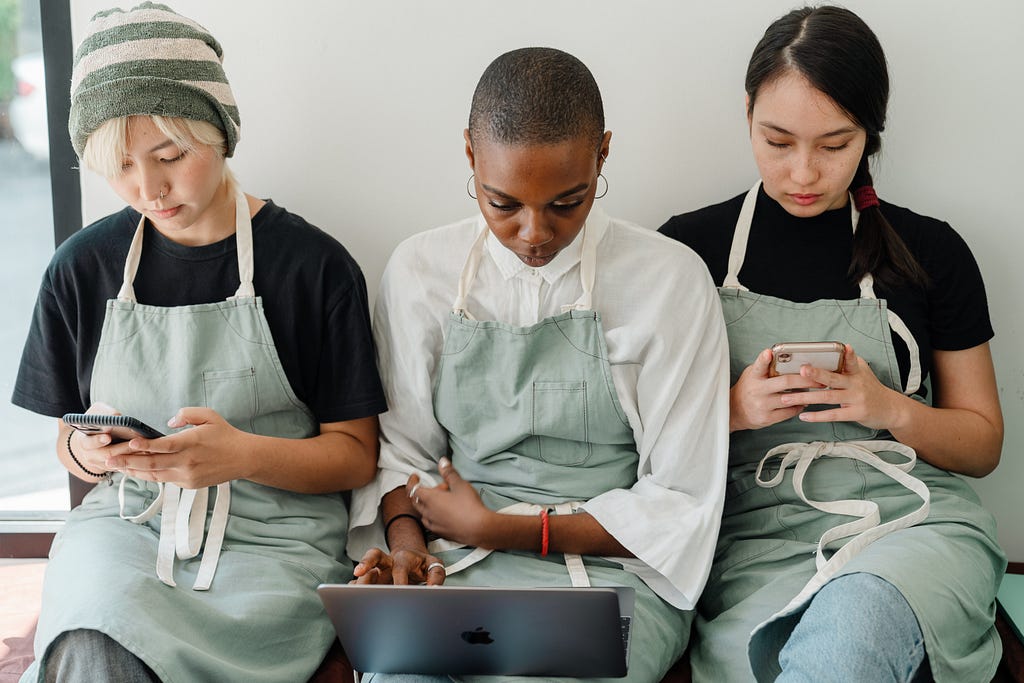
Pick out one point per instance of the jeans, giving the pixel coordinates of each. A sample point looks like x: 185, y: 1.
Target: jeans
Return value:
x: 93, y: 657
x: 857, y: 628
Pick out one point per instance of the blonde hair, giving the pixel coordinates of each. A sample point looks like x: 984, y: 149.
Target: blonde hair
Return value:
x: 107, y: 146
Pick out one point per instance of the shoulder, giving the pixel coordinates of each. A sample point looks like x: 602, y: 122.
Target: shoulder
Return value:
x: 696, y: 226
x: 629, y: 253
x: 438, y: 252
x: 934, y: 242
x: 95, y: 249
x: 290, y: 242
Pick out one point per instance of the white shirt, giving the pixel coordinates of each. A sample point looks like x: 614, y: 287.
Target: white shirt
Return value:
x: 669, y: 359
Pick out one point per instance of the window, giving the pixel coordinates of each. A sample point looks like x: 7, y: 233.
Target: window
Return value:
x: 34, y: 489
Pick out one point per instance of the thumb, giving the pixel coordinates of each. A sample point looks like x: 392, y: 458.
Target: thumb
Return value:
x: 850, y: 360
x: 193, y: 416
x: 448, y: 473
x: 760, y: 365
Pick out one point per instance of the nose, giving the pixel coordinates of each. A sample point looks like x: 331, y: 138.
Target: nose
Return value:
x: 533, y: 229
x: 804, y: 170
x: 151, y: 184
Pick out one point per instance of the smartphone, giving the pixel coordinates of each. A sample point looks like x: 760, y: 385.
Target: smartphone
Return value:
x: 120, y: 427
x: 787, y: 357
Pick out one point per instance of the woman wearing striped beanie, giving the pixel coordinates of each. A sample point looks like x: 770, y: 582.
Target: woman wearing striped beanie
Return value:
x: 236, y: 328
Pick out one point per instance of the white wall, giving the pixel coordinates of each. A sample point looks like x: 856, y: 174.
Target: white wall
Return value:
x: 352, y: 115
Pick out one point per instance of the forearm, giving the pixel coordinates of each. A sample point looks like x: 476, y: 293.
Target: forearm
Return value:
x: 404, y: 533
x: 953, y: 439
x: 578, y: 533
x: 329, y: 462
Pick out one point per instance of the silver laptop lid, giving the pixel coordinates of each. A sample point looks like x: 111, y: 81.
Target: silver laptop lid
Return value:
x: 456, y: 630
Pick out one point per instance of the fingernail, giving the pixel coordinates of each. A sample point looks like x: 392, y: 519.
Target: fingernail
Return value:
x: 104, y: 440
x: 444, y: 462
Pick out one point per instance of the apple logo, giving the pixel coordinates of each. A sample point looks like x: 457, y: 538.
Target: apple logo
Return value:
x: 477, y: 637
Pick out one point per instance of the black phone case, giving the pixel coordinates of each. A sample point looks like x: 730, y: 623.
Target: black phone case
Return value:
x: 122, y: 427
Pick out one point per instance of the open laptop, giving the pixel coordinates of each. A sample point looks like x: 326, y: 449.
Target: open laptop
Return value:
x: 578, y: 632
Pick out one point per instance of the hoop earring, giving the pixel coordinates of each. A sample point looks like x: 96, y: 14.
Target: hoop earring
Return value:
x: 468, y: 183
x: 600, y: 176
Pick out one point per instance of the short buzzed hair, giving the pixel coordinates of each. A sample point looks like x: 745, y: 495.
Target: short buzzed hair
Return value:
x: 536, y: 95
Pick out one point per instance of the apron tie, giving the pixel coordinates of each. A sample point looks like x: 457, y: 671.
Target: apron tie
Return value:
x: 866, y: 529
x: 183, y: 516
x: 573, y: 562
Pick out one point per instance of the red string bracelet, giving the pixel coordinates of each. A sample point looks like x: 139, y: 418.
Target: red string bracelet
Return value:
x: 544, y: 532
x: 864, y: 197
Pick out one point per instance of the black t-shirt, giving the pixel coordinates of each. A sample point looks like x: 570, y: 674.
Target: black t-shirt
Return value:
x: 807, y: 259
x: 314, y: 298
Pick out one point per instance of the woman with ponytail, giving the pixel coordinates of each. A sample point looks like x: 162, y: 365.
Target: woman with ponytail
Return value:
x: 849, y: 550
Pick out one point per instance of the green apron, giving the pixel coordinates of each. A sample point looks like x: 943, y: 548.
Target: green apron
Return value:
x: 534, y: 420
x: 133, y: 569
x: 926, y: 534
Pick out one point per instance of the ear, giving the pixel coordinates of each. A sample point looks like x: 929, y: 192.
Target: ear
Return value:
x: 469, y: 148
x: 602, y: 154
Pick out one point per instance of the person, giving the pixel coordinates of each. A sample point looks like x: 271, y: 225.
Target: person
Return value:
x: 243, y: 329
x: 540, y: 405
x: 811, y: 254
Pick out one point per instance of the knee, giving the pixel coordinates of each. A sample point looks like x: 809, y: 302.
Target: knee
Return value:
x: 857, y: 623
x: 866, y: 611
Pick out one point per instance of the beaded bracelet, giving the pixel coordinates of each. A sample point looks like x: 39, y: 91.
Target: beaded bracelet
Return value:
x: 387, y: 527
x: 101, y: 475
x: 545, y: 534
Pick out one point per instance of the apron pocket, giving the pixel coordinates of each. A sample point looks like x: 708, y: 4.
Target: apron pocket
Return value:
x: 232, y: 393
x: 560, y: 422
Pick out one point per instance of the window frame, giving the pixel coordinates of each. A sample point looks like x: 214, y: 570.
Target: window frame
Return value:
x: 29, y: 533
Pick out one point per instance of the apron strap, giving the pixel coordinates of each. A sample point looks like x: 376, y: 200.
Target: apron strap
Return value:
x: 183, y: 516
x: 243, y: 243
x: 867, y: 291
x: 573, y: 562
x: 866, y: 529
x: 468, y: 275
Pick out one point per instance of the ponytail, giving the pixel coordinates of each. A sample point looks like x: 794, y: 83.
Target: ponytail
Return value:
x: 877, y: 249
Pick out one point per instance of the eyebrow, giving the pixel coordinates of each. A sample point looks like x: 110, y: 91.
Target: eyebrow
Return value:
x: 504, y: 195
x: 166, y: 143
x: 830, y: 134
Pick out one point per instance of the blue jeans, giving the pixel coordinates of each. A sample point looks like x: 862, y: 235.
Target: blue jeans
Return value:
x: 857, y: 628
x: 93, y: 657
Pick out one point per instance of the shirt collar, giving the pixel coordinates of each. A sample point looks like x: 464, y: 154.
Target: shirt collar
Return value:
x: 510, y: 266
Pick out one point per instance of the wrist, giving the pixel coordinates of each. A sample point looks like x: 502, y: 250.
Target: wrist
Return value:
x: 901, y: 411
x: 100, y: 475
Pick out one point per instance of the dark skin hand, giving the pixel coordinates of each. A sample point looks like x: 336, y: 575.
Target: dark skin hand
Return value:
x: 454, y: 510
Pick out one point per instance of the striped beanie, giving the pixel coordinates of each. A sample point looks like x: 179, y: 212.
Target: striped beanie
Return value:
x: 149, y: 60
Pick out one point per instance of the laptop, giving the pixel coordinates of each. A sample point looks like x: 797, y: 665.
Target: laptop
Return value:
x: 577, y: 632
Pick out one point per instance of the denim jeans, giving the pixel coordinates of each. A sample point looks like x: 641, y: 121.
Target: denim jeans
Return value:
x: 93, y: 657
x: 857, y: 628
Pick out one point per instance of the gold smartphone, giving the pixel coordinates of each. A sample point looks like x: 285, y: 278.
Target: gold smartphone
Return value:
x: 788, y: 357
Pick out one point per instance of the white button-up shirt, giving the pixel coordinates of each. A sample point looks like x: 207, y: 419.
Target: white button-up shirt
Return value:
x: 669, y: 359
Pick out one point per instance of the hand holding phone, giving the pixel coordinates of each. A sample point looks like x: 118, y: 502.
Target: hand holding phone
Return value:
x: 120, y: 427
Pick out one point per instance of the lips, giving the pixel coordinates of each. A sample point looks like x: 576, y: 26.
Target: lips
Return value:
x: 804, y: 199
x: 164, y: 214
x: 536, y: 261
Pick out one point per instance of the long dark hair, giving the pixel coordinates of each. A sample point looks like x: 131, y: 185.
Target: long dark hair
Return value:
x: 840, y: 56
